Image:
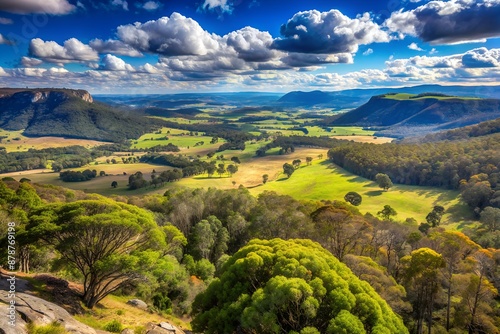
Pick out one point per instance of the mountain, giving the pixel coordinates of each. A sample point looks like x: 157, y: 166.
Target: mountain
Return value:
x: 402, y: 115
x: 67, y: 113
x: 352, y: 98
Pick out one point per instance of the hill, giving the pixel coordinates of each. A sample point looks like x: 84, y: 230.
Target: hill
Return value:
x: 352, y: 98
x: 402, y: 115
x: 67, y: 113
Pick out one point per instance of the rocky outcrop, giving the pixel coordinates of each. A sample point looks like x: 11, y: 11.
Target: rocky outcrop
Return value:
x: 39, y: 311
x: 138, y: 303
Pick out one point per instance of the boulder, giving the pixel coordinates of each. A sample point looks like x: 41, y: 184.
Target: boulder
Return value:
x: 138, y: 303
x: 127, y: 331
x: 40, y: 312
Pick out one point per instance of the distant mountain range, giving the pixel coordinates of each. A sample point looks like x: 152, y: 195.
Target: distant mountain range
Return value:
x: 68, y: 113
x: 352, y: 98
x: 402, y: 115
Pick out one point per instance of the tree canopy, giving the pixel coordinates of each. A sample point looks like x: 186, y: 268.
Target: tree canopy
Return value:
x: 294, y: 286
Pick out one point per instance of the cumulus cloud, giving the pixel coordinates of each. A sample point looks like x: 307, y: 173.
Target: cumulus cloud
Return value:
x: 481, y: 57
x: 449, y: 22
x: 3, y: 73
x: 4, y: 20
x: 72, y: 51
x: 113, y: 63
x: 30, y: 62
x: 151, y: 5
x: 223, y: 5
x: 251, y: 44
x: 170, y: 36
x: 304, y: 59
x: 433, y: 51
x: 114, y: 46
x: 56, y: 7
x: 472, y: 59
x: 5, y: 40
x: 120, y: 3
x: 328, y: 32
x: 414, y: 46
x: 368, y: 52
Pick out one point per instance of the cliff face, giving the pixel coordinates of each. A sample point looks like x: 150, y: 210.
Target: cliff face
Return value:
x: 43, y: 94
x: 67, y: 113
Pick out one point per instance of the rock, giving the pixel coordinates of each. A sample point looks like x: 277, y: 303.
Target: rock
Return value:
x: 41, y: 312
x: 127, y: 331
x: 138, y: 303
x: 5, y: 327
x: 162, y: 328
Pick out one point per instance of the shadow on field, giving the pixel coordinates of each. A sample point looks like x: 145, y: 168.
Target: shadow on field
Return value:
x: 374, y: 193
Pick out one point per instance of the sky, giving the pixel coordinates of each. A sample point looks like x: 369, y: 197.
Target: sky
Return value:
x: 175, y: 46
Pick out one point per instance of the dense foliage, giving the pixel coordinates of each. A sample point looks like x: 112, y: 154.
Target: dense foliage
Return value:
x: 441, y: 164
x: 295, y: 286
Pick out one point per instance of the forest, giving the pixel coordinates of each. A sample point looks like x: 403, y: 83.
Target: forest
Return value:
x: 257, y: 271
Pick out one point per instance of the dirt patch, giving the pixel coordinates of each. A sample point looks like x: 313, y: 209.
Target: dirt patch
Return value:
x: 67, y: 295
x: 365, y: 139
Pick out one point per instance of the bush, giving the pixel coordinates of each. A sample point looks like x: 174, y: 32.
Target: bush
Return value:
x: 113, y: 326
x: 53, y: 328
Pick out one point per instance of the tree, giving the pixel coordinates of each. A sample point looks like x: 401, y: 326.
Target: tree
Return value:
x: 211, y: 169
x: 309, y: 160
x: 353, y: 197
x: 293, y: 286
x: 296, y: 163
x: 231, y: 169
x: 421, y: 281
x: 387, y: 212
x: 114, y: 184
x: 383, y: 181
x: 236, y: 160
x: 110, y: 244
x: 288, y: 169
x: 490, y: 218
x: 221, y: 169
x: 265, y: 178
x: 434, y: 217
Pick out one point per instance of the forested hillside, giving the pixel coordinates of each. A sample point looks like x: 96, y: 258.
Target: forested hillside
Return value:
x: 428, y: 278
x: 68, y: 113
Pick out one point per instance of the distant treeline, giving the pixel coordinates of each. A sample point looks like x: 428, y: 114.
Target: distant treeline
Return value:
x: 440, y: 164
x: 66, y: 157
x: 288, y: 144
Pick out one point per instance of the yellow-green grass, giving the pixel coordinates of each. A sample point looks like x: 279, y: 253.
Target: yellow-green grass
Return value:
x: 406, y: 96
x: 323, y: 180
x: 350, y: 130
x: 16, y: 142
x: 116, y: 308
x: 365, y: 139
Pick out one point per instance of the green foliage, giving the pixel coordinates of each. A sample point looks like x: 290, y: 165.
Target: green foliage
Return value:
x: 354, y: 198
x: 53, y: 328
x: 288, y: 169
x: 120, y: 237
x: 387, y: 212
x: 295, y: 286
x: 114, y: 326
x: 383, y: 181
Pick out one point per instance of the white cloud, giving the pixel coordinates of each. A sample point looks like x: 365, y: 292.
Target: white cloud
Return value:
x: 72, y: 51
x: 4, y: 20
x: 4, y: 40
x: 30, y: 62
x: 112, y: 63
x: 368, y: 51
x: 114, y: 46
x: 414, y: 46
x: 56, y: 7
x: 223, y: 5
x: 120, y: 3
x: 448, y: 22
x: 3, y: 73
x: 251, y: 44
x: 151, y: 5
x: 171, y: 36
x: 433, y: 51
x: 328, y: 32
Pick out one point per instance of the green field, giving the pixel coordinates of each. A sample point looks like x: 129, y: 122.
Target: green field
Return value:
x: 406, y: 96
x: 323, y: 180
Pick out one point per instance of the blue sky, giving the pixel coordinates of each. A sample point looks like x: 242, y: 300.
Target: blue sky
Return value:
x: 152, y: 46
